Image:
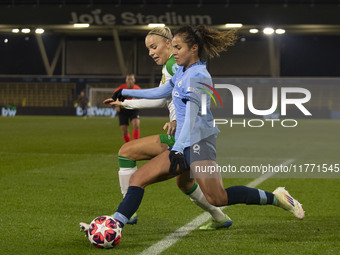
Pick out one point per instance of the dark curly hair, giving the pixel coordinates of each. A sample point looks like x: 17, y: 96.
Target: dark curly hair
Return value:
x: 210, y: 41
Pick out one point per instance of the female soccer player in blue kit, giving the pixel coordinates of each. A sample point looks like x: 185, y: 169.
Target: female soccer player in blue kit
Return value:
x: 158, y: 43
x: 191, y: 45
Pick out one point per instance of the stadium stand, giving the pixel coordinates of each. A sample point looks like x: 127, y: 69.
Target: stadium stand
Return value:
x: 27, y: 94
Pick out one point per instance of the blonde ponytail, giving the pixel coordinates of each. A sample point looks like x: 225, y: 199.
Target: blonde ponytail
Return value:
x: 164, y: 32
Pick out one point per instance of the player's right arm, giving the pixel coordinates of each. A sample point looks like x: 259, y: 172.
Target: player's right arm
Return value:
x: 144, y: 103
x: 154, y: 93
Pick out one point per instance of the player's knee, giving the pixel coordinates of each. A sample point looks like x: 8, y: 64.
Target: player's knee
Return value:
x: 132, y: 180
x: 185, y: 185
x: 136, y: 181
x: 126, y: 151
x: 215, y: 200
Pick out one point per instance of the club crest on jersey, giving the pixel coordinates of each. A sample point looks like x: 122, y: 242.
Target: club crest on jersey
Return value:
x: 163, y: 78
x: 179, y: 83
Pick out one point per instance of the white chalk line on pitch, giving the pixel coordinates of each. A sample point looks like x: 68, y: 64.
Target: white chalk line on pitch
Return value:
x: 174, y: 237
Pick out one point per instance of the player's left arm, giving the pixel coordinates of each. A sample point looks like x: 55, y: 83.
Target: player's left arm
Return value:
x: 191, y: 112
x: 176, y: 155
x: 153, y: 93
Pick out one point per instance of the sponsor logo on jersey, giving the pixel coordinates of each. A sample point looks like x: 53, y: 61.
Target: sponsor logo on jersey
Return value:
x: 196, y: 148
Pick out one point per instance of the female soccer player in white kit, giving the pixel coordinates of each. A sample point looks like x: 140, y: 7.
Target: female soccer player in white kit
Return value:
x: 158, y: 42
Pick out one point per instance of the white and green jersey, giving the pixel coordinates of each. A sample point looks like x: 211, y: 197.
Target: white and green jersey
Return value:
x: 168, y: 70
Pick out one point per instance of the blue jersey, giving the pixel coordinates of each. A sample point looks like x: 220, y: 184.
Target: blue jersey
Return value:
x: 186, y: 88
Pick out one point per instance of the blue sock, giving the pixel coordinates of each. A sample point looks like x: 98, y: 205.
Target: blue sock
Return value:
x: 249, y: 196
x: 129, y: 205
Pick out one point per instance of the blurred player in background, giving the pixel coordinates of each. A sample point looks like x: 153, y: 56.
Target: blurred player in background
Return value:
x: 128, y: 114
x: 82, y: 102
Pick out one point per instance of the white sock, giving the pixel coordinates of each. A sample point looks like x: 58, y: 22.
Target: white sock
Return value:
x: 199, y: 199
x: 124, y: 178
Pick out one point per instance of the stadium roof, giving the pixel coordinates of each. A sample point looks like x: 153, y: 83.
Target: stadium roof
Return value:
x: 131, y: 17
x: 167, y: 2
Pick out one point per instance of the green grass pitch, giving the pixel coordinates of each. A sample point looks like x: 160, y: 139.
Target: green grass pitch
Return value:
x: 58, y: 171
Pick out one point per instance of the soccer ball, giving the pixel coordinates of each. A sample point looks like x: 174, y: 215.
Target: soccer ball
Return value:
x: 104, y: 232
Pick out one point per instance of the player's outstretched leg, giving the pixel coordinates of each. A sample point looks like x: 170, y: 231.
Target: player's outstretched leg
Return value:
x: 218, y: 196
x: 287, y: 202
x: 280, y: 197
